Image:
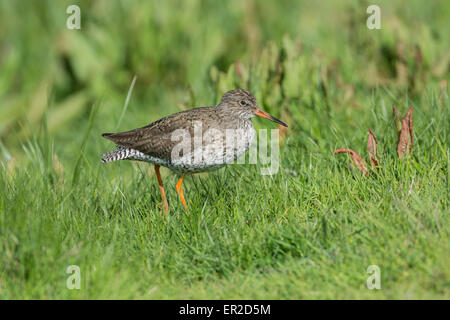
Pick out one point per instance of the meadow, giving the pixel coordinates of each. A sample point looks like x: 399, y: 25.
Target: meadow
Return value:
x: 308, y: 232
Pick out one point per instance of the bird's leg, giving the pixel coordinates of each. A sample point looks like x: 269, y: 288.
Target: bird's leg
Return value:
x: 179, y: 188
x: 161, y: 188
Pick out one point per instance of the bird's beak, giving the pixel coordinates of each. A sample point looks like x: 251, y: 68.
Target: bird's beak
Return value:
x: 264, y: 114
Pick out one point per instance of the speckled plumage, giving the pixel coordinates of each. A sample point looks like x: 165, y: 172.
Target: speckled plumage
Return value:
x: 195, y: 140
x: 154, y: 143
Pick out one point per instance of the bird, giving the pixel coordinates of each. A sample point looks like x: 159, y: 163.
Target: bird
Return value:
x: 194, y: 140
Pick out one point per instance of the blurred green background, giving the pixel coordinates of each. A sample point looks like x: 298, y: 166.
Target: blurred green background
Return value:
x: 180, y: 51
x: 308, y: 232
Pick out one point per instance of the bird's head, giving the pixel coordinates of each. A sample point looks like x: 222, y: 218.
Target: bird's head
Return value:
x: 243, y: 103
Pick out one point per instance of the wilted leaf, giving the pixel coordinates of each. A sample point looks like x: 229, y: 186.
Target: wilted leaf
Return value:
x: 410, y: 124
x: 356, y: 158
x: 406, y: 139
x: 372, y: 148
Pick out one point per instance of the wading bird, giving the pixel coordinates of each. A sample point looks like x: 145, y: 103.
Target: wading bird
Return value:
x: 159, y: 142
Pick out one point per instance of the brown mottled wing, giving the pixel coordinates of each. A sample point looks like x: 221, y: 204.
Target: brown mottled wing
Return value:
x: 156, y: 138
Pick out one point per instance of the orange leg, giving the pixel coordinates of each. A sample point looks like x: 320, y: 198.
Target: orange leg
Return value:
x: 179, y: 188
x: 161, y: 188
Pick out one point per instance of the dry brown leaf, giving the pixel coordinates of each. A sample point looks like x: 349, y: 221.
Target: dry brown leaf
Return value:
x: 406, y: 140
x: 372, y: 144
x: 403, y: 141
x: 410, y: 124
x: 356, y: 158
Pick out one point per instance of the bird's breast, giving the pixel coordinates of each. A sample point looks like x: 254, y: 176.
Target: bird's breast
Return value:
x: 216, y: 148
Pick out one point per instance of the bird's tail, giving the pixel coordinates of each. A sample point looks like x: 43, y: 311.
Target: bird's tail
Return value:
x: 119, y: 153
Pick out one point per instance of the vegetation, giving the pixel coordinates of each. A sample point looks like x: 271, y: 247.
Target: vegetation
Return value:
x: 310, y: 231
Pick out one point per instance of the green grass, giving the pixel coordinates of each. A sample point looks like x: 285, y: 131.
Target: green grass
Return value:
x: 308, y: 232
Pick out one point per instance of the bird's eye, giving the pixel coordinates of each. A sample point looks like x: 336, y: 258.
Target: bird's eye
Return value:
x: 243, y: 103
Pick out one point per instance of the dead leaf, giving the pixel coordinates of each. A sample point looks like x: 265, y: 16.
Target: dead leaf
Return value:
x: 410, y: 124
x: 372, y: 144
x: 403, y: 141
x: 356, y: 158
x: 406, y: 140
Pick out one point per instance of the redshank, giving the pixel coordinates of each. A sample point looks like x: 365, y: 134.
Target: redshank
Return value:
x: 173, y: 141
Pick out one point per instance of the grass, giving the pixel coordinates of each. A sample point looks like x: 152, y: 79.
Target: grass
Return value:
x: 308, y: 232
